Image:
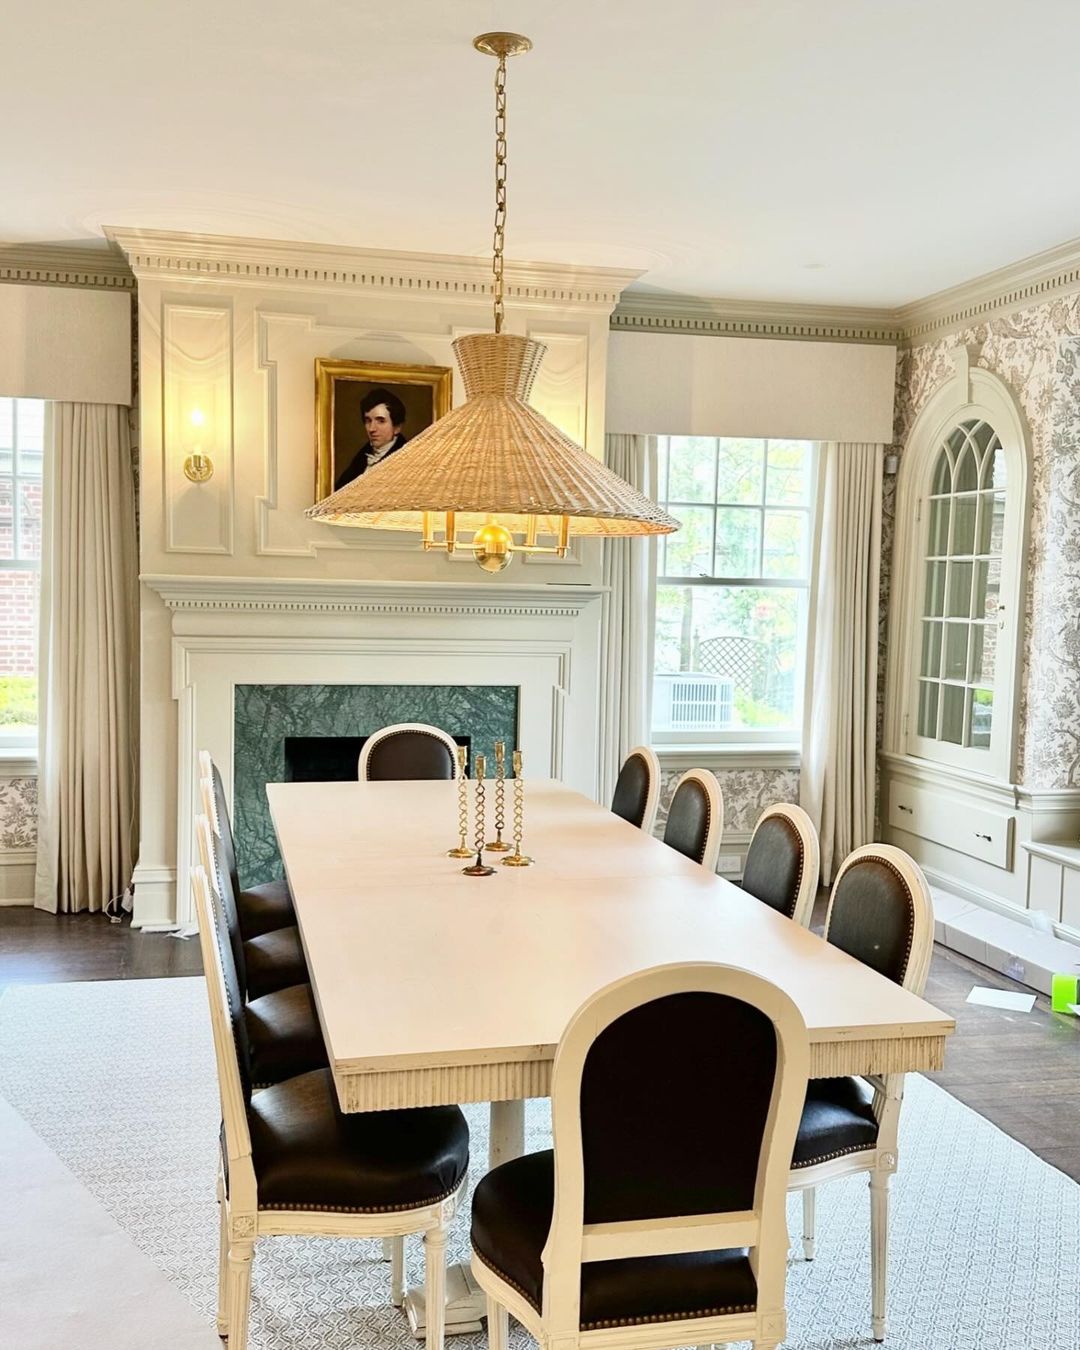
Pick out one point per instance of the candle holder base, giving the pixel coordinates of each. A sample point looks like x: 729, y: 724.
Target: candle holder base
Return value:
x: 498, y: 846
x: 479, y: 869
x: 459, y: 852
x: 517, y: 860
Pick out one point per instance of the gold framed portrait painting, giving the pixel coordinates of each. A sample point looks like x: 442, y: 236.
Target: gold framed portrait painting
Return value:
x: 368, y: 410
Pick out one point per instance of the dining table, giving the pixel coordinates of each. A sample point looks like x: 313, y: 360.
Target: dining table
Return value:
x: 434, y: 987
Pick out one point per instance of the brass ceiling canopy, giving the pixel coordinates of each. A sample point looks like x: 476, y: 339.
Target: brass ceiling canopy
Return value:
x: 494, y: 468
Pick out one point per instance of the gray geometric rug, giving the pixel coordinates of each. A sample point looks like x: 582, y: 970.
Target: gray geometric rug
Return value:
x: 118, y: 1079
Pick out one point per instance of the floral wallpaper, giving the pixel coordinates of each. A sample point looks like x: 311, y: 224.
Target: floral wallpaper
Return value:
x: 18, y: 813
x: 747, y: 792
x: 1036, y: 351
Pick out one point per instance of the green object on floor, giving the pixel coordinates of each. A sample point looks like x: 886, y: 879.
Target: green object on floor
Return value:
x: 1064, y: 993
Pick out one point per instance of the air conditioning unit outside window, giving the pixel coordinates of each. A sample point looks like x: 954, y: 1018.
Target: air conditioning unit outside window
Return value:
x: 692, y: 702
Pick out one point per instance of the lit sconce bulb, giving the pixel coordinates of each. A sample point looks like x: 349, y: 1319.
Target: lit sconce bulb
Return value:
x: 198, y: 468
x: 198, y: 417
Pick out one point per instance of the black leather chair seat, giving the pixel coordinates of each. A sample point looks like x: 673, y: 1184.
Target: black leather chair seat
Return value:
x: 836, y: 1119
x: 308, y: 1154
x: 284, y: 1035
x: 273, y: 961
x: 510, y: 1220
x: 262, y: 909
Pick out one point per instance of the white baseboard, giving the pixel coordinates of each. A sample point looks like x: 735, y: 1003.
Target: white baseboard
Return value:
x: 17, y: 867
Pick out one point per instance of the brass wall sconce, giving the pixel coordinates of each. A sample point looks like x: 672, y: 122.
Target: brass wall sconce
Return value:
x: 198, y: 467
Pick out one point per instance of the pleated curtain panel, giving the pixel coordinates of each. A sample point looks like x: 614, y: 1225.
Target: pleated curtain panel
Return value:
x: 837, y: 780
x: 88, y: 660
x: 627, y: 619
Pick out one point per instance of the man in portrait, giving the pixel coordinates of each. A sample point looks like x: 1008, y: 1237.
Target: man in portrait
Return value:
x: 384, y: 421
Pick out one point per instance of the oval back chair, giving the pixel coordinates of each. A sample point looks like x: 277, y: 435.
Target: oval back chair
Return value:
x: 695, y: 820
x: 783, y: 863
x: 881, y: 913
x: 408, y: 750
x: 637, y: 789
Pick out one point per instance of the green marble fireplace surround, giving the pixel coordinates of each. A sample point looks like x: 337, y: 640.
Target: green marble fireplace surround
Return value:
x: 264, y: 715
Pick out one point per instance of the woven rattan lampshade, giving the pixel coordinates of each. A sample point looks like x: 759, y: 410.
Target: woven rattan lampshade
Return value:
x: 495, y: 456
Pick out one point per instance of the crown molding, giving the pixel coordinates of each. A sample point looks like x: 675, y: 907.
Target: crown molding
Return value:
x: 164, y: 255
x: 753, y: 318
x: 65, y: 265
x: 322, y: 596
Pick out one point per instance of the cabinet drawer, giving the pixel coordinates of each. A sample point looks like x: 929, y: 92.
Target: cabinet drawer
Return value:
x: 953, y: 822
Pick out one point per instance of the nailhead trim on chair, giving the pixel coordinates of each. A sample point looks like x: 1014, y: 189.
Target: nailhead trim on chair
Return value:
x: 840, y: 1153
x: 357, y: 1209
x: 623, y: 1321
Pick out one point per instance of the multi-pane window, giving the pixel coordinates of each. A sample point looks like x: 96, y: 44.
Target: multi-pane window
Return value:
x: 21, y: 450
x: 962, y: 588
x: 732, y: 588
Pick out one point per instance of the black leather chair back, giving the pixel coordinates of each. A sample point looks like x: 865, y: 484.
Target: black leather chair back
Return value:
x: 689, y: 817
x: 774, y: 864
x: 235, y: 992
x: 410, y: 754
x: 228, y: 846
x: 872, y: 917
x: 226, y: 908
x: 675, y: 1096
x: 632, y: 790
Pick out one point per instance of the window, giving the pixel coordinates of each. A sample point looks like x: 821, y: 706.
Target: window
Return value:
x: 732, y: 589
x: 21, y: 452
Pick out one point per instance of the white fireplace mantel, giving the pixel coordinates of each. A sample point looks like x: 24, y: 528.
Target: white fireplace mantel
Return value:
x: 227, y: 631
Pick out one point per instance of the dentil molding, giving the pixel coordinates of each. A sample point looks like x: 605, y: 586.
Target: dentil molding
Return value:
x: 186, y: 594
x: 755, y: 319
x: 168, y: 256
x: 65, y: 265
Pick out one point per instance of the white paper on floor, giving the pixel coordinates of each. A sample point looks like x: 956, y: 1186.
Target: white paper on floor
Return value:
x: 1002, y: 998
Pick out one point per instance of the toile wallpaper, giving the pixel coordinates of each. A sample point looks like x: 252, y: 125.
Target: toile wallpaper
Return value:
x: 747, y: 792
x: 18, y: 814
x: 1036, y: 351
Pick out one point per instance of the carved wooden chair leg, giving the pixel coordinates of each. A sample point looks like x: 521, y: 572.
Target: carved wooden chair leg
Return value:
x: 241, y: 1253
x: 435, y: 1287
x: 388, y: 1249
x: 397, y: 1271
x: 498, y: 1320
x: 223, y: 1270
x: 809, y: 1221
x: 879, y: 1248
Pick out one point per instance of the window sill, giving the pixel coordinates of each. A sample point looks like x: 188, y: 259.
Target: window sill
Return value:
x: 18, y: 762
x: 729, y: 756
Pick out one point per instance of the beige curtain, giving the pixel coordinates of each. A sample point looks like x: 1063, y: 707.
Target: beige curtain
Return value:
x: 88, y: 710
x: 627, y: 619
x: 837, y: 781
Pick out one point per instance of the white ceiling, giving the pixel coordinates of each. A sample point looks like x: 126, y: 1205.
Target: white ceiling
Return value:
x: 835, y: 151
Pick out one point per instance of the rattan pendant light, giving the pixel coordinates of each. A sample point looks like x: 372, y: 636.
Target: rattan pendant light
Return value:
x: 494, y: 476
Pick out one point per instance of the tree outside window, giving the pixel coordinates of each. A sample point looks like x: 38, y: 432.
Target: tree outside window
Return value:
x: 21, y: 453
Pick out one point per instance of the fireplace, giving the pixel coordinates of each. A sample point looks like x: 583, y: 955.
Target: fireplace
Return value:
x: 313, y: 732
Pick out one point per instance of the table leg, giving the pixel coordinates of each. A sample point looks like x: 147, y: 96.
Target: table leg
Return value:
x: 507, y: 1132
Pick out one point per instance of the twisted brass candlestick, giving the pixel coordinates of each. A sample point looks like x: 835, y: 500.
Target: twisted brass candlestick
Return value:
x: 517, y: 858
x: 479, y: 868
x: 462, y: 850
x: 498, y: 844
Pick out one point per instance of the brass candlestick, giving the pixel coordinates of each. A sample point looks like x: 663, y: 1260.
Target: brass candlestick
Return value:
x: 479, y: 868
x: 517, y: 858
x: 462, y: 850
x: 498, y: 844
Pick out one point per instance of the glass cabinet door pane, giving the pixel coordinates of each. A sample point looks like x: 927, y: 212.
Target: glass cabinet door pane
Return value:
x: 938, y: 543
x: 956, y: 649
x: 963, y: 543
x: 931, y: 648
x: 953, y: 699
x: 934, y: 601
x: 980, y: 715
x: 959, y: 599
x: 983, y: 652
x: 928, y: 704
x: 966, y: 474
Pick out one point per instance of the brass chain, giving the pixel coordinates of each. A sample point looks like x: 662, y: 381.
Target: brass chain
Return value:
x: 463, y: 799
x: 500, y: 790
x: 500, y: 189
x: 519, y: 808
x: 481, y: 814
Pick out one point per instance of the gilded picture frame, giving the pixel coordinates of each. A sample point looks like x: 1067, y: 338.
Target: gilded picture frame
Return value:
x: 424, y: 392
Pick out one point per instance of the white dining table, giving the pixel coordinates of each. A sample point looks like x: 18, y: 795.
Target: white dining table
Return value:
x: 434, y: 987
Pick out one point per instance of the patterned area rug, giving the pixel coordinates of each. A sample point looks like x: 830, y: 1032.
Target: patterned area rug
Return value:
x: 118, y: 1079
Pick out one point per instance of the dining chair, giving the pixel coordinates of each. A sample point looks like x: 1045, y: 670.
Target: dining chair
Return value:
x: 268, y: 962
x: 637, y: 789
x: 282, y: 1027
x: 783, y: 862
x: 260, y: 908
x: 695, y: 819
x: 881, y: 913
x: 293, y: 1164
x: 640, y: 1227
x: 408, y: 750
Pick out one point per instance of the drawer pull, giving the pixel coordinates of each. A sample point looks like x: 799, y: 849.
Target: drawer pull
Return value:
x: 901, y: 807
x: 987, y: 837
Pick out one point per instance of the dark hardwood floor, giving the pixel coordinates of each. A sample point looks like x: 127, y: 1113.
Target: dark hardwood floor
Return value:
x: 1020, y: 1070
